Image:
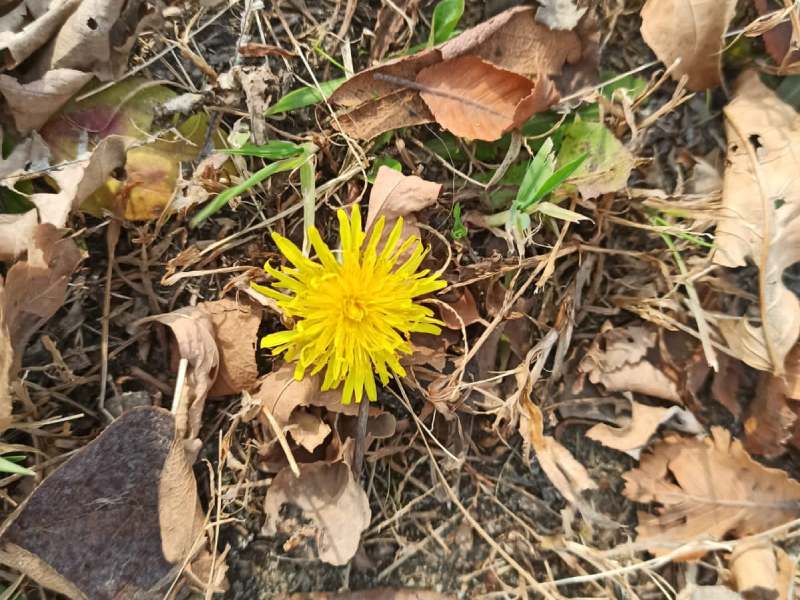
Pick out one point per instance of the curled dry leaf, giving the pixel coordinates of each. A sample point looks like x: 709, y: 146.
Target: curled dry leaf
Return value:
x: 394, y: 195
x: 331, y: 498
x: 761, y: 570
x: 689, y: 30
x: 707, y: 489
x: 36, y: 287
x: 512, y: 42
x: 778, y: 38
x: 635, y: 431
x: 193, y: 329
x: 126, y: 505
x: 461, y: 313
x: 770, y: 420
x: 623, y: 359
x: 762, y: 127
x: 235, y: 326
x: 15, y: 233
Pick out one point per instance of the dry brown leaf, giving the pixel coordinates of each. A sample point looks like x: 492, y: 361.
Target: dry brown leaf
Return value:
x: 461, y: 313
x: 772, y: 130
x: 476, y: 100
x: 15, y: 233
x: 618, y: 361
x: 513, y: 41
x: 632, y: 436
x: 31, y: 154
x: 235, y: 326
x: 33, y: 103
x: 689, y: 30
x: 331, y: 498
x: 778, y: 39
x: 394, y: 195
x: 708, y: 592
x: 36, y: 287
x: 726, y: 384
x: 193, y: 330
x: 707, y: 489
x: 126, y: 505
x: 759, y: 570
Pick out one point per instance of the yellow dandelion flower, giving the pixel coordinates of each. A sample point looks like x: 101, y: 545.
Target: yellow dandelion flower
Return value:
x: 353, y: 317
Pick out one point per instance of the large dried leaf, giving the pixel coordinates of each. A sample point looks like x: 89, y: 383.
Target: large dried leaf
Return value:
x: 708, y: 489
x: 373, y: 594
x: 15, y: 232
x: 771, y: 129
x: 760, y: 569
x: 36, y: 287
x: 512, y: 42
x: 33, y: 103
x: 474, y: 99
x: 689, y: 30
x: 114, y: 522
x: 331, y: 498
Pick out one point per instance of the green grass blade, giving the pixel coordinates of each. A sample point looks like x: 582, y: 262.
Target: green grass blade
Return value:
x: 8, y: 466
x: 305, y: 96
x: 274, y: 150
x: 259, y: 176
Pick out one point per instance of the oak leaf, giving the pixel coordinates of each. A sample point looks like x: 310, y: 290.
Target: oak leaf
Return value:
x: 707, y: 489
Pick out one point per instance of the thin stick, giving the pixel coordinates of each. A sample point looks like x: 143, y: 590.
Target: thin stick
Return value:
x: 179, y: 383
x: 361, y: 438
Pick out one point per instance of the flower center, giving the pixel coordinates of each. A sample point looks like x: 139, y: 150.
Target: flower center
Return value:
x: 354, y: 308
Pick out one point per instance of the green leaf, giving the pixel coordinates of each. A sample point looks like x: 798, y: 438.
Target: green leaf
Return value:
x: 382, y: 162
x: 459, y: 230
x: 631, y: 85
x: 275, y: 149
x: 445, y: 18
x: 540, y: 169
x: 607, y: 166
x: 446, y: 145
x: 8, y: 466
x: 305, y: 96
x: 556, y: 212
x: 556, y: 179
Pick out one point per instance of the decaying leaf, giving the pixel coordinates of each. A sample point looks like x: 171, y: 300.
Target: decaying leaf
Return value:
x: 236, y: 332
x: 689, y: 30
x: 126, y: 505
x: 635, y: 431
x: 761, y: 570
x: 331, y: 498
x: 128, y: 109
x: 707, y: 489
x: 461, y: 313
x: 512, y: 42
x: 36, y: 288
x: 607, y: 165
x: 623, y: 359
x: 770, y: 419
x: 78, y: 39
x: 388, y: 24
x: 761, y: 128
x: 395, y: 195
